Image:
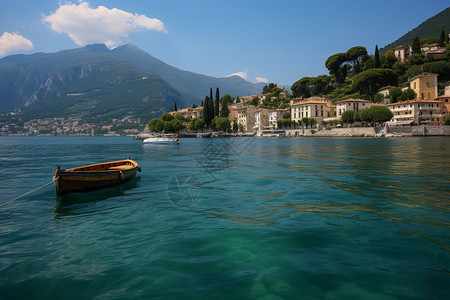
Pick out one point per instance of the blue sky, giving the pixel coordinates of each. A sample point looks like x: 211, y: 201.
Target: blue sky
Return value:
x: 275, y: 41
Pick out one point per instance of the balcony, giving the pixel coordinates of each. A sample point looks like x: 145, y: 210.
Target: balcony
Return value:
x: 403, y: 117
x: 427, y: 116
x: 423, y: 108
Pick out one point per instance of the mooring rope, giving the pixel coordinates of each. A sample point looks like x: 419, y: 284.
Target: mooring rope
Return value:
x: 28, y: 193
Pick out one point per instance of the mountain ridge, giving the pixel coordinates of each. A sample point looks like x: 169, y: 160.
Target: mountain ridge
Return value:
x: 429, y: 28
x: 46, y: 79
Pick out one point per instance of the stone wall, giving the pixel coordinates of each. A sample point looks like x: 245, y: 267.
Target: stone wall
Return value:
x: 372, y: 131
x: 430, y: 130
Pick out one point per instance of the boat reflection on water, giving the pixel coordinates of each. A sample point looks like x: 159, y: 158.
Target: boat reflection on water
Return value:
x: 81, y: 203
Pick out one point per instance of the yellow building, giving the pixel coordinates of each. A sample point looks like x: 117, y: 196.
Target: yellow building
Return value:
x: 425, y: 86
x: 311, y: 108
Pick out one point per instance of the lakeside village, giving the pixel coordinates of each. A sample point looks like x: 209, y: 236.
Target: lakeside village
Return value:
x: 246, y: 116
x: 413, y: 107
x: 318, y: 116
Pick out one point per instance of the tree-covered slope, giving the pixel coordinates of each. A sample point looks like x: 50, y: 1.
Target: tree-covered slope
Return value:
x: 429, y: 28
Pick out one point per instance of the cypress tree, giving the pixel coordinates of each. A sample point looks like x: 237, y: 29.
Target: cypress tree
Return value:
x: 416, y: 46
x: 224, y: 112
x: 201, y: 104
x: 442, y: 40
x: 206, y: 115
x: 210, y: 94
x: 216, y: 103
x: 211, y: 109
x: 175, y: 107
x: 377, y: 57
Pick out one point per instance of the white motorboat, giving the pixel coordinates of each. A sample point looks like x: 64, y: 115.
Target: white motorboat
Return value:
x: 163, y: 139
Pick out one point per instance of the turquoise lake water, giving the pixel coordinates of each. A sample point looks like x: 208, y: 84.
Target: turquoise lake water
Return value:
x: 248, y: 218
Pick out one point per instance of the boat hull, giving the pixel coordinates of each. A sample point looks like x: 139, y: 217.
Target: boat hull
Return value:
x: 161, y: 140
x: 94, y: 177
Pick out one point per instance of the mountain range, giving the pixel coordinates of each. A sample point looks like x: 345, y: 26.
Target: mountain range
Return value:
x: 431, y: 27
x: 96, y: 82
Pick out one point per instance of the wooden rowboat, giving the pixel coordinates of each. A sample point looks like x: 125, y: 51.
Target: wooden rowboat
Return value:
x: 93, y: 177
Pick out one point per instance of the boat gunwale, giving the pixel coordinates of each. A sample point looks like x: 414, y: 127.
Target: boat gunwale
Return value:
x: 78, y: 170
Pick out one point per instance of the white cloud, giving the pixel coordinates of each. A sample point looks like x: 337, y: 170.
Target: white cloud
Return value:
x: 240, y: 74
x: 86, y: 25
x: 11, y: 42
x: 261, y: 79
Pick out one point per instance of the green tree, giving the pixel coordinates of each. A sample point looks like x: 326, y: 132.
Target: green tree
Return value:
x: 348, y: 116
x: 415, y: 59
x: 159, y: 126
x: 320, y: 85
x: 413, y: 71
x: 356, y: 117
x: 365, y: 115
x: 334, y: 63
x: 177, y: 125
x: 379, y: 98
x: 268, y: 88
x: 377, y: 57
x: 302, y: 88
x: 210, y: 94
x: 197, y: 124
x: 206, y: 112
x: 407, y: 94
x: 222, y: 124
x: 211, y: 109
x: 224, y: 112
x: 380, y: 114
x: 394, y: 94
x: 180, y: 117
x: 175, y: 107
x: 285, y: 123
x: 235, y: 126
x: 389, y: 59
x: 238, y: 100
x: 368, y: 82
x: 254, y: 101
x: 442, y: 39
x: 439, y: 67
x: 355, y: 55
x: 416, y: 46
x: 226, y: 99
x: 152, y: 124
x: 286, y: 115
x: 216, y: 103
x: 166, y: 117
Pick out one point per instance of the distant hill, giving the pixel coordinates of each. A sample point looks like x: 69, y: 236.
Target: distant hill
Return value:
x: 86, y: 82
x: 94, y: 81
x: 430, y: 28
x: 193, y: 87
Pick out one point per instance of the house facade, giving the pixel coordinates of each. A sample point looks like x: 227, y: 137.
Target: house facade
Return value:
x: 311, y: 108
x: 417, y: 112
x: 246, y: 117
x: 275, y: 115
x: 425, y: 86
x: 350, y: 104
x: 261, y: 119
x: 402, y: 52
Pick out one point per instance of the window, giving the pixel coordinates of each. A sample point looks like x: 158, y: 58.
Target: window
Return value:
x: 428, y: 84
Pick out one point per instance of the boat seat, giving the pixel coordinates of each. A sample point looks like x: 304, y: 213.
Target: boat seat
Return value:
x: 122, y: 167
